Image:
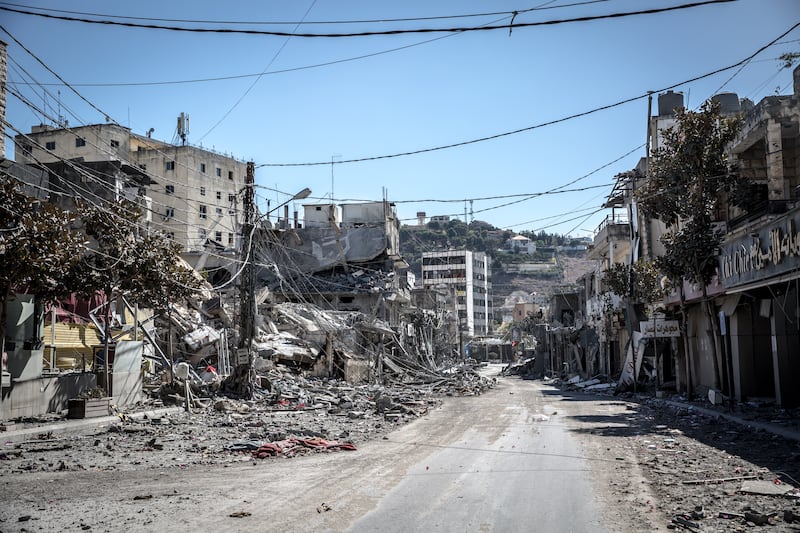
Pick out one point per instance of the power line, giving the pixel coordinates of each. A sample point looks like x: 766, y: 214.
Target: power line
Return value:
x: 540, y: 125
x: 304, y: 22
x: 247, y: 91
x: 462, y: 29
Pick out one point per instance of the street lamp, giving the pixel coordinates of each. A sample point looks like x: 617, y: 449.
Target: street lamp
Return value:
x: 305, y: 193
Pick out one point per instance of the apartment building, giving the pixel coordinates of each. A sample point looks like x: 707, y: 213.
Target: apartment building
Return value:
x: 468, y: 275
x: 191, y: 194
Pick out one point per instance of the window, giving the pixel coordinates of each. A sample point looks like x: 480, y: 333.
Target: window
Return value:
x: 203, y: 211
x: 169, y: 189
x: 219, y: 195
x: 26, y: 149
x: 202, y: 234
x: 202, y: 191
x: 219, y: 171
x: 114, y: 143
x: 218, y: 237
x: 171, y: 235
x: 169, y: 213
x: 169, y: 165
x: 50, y: 145
x: 230, y: 174
x: 203, y: 168
x: 231, y: 198
x: 80, y: 141
x: 230, y: 239
x: 219, y: 211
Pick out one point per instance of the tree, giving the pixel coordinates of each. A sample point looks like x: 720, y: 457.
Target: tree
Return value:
x: 636, y: 283
x: 123, y: 263
x: 38, y: 250
x: 688, y: 177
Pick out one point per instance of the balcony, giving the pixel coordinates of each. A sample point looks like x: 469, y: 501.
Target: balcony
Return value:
x: 614, y: 229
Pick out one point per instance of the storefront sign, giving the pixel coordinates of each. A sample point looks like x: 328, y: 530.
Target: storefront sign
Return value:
x: 660, y: 328
x: 773, y: 250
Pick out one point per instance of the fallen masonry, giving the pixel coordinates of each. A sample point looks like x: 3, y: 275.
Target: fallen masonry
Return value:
x: 291, y: 415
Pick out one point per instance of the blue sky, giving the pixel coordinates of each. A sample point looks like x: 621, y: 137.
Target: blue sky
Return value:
x: 414, y: 92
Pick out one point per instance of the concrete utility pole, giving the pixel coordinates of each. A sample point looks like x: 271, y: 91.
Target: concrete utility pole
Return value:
x: 246, y: 290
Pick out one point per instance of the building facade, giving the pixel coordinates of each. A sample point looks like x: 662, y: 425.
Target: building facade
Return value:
x: 190, y: 194
x: 468, y: 275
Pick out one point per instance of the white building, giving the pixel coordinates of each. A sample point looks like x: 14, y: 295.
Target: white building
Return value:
x: 521, y: 244
x: 468, y: 275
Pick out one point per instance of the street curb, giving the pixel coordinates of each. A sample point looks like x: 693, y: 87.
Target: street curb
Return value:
x: 77, y: 425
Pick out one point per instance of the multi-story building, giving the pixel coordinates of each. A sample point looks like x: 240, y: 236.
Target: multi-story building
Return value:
x: 757, y: 274
x: 759, y: 264
x: 468, y: 274
x: 189, y: 193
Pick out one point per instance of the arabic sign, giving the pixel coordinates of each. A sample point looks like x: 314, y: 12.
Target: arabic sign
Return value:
x: 661, y: 328
x: 772, y: 250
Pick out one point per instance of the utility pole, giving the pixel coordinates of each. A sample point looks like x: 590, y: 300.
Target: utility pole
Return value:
x: 241, y: 373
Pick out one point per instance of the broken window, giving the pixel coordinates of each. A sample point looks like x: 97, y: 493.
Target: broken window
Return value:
x: 114, y: 143
x: 203, y: 211
x: 80, y: 141
x: 169, y: 189
x: 231, y: 197
x: 219, y: 211
x: 218, y: 237
x: 202, y: 233
x: 169, y: 213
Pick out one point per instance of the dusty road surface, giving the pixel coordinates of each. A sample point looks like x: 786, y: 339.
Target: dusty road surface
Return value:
x: 520, y: 457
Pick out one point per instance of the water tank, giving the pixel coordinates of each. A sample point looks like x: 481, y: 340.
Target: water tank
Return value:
x: 729, y: 102
x: 668, y: 102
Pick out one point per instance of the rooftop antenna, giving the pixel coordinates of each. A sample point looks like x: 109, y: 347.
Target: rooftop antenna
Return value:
x: 60, y: 118
x: 183, y: 127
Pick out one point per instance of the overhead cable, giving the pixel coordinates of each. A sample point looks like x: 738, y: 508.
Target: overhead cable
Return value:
x: 540, y: 125
x: 304, y: 22
x: 505, y: 27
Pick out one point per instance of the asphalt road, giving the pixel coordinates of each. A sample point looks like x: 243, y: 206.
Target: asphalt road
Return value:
x: 509, y: 460
x: 506, y: 463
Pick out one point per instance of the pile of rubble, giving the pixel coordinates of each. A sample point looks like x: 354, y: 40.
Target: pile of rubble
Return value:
x: 289, y: 414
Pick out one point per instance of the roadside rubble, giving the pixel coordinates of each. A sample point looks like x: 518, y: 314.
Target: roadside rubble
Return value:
x: 290, y: 415
x: 713, y: 475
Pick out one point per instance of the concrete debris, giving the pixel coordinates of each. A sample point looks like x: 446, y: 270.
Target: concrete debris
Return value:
x: 520, y: 368
x: 767, y: 487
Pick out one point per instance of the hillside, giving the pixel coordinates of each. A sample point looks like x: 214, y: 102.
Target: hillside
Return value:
x: 553, y: 267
